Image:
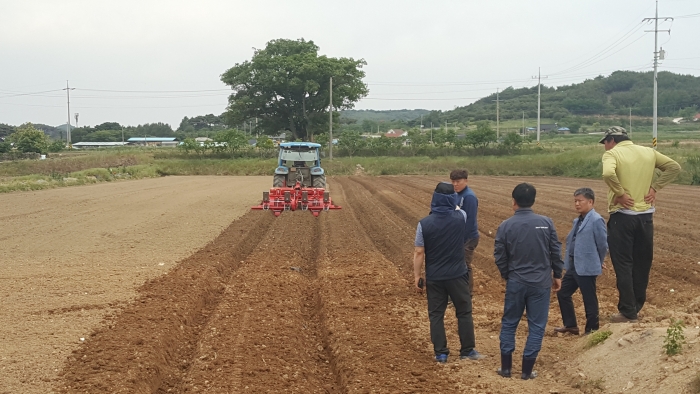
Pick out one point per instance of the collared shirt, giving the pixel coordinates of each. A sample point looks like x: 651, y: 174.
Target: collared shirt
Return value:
x: 629, y: 168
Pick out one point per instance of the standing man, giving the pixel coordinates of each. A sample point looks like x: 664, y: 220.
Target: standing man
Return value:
x: 440, y: 244
x: 628, y: 170
x: 586, y: 247
x: 467, y: 201
x: 527, y: 253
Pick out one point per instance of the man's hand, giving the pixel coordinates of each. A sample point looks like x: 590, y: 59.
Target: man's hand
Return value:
x: 651, y: 197
x: 625, y: 200
x: 416, y: 287
x: 556, y: 285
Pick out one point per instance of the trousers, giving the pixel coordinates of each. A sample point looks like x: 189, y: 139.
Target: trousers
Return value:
x: 631, y: 243
x: 458, y: 290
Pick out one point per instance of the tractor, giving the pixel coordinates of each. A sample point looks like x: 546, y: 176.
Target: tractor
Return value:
x: 299, y: 182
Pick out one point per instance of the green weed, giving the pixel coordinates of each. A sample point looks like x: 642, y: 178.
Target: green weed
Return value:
x: 674, y: 338
x: 597, y: 337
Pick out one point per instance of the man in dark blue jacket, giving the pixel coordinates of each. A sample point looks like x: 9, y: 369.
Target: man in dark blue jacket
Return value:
x: 586, y: 247
x: 467, y: 201
x: 440, y: 244
x: 528, y: 255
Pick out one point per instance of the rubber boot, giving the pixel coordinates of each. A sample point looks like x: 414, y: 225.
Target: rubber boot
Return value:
x: 528, y: 364
x: 506, y: 365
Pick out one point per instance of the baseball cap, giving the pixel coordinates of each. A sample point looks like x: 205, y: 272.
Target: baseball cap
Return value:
x: 615, y: 130
x: 444, y: 188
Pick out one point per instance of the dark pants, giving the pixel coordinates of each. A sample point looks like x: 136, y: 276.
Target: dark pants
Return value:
x: 572, y: 282
x: 458, y: 290
x: 631, y: 243
x: 469, y: 247
x: 521, y: 298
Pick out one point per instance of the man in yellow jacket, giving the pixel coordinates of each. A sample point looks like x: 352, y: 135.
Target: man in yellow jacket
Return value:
x: 628, y: 170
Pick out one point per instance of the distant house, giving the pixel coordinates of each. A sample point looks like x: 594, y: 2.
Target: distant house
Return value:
x: 153, y: 141
x: 563, y: 130
x: 97, y: 145
x: 696, y: 118
x: 396, y: 133
x: 548, y: 127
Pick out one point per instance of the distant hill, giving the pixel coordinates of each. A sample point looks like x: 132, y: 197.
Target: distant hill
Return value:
x: 403, y: 115
x: 615, y: 94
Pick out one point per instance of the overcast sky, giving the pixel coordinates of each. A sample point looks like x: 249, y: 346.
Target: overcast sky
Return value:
x: 146, y: 61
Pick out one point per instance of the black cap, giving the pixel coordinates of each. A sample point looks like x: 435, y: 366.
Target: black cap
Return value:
x: 444, y: 188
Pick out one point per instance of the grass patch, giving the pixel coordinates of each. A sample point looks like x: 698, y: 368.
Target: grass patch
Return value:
x: 597, y: 338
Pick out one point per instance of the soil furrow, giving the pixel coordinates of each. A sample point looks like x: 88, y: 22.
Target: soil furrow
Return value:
x: 280, y: 344
x: 148, y: 344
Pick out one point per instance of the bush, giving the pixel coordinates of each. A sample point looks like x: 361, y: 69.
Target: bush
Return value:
x: 674, y: 339
x: 56, y: 146
x: 5, y: 147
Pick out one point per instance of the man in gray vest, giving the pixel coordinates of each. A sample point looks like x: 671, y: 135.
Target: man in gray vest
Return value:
x: 440, y: 244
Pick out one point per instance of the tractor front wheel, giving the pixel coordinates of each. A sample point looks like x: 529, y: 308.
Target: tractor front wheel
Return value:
x: 279, y: 180
x: 319, y: 182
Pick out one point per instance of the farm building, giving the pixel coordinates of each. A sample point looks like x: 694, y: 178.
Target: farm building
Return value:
x: 396, y: 133
x: 97, y: 145
x: 154, y: 141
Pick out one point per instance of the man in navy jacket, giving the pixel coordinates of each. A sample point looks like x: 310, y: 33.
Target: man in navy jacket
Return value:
x: 586, y: 247
x: 440, y: 244
x: 527, y: 253
x: 467, y: 201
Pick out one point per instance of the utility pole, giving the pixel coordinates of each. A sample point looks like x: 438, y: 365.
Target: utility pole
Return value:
x: 330, y: 111
x: 539, y: 93
x: 656, y: 64
x: 523, y: 132
x: 630, y: 130
x: 68, y: 137
x: 498, y: 121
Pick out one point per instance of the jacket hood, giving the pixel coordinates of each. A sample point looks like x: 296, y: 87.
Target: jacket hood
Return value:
x: 443, y: 203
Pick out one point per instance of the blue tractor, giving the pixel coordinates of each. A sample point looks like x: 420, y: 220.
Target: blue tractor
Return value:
x: 299, y: 162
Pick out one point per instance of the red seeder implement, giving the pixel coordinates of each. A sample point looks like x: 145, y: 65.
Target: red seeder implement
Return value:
x: 302, y: 198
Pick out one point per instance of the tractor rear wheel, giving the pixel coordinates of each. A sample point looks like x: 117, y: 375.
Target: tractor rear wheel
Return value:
x: 319, y: 182
x: 279, y: 181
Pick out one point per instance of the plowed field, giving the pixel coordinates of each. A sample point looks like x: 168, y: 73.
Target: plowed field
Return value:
x: 324, y: 305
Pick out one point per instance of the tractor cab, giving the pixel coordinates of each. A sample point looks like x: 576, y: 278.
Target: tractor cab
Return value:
x: 299, y: 162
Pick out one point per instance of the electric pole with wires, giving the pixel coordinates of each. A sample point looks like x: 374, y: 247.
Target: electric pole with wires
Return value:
x: 539, y: 93
x: 656, y: 65
x: 498, y: 121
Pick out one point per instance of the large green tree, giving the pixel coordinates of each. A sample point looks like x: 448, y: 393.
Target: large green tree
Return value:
x: 28, y: 138
x: 287, y: 86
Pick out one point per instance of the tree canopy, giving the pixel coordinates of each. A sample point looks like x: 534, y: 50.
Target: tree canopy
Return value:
x: 615, y: 94
x: 28, y: 138
x: 287, y: 87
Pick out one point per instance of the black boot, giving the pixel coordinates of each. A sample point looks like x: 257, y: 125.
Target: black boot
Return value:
x: 506, y: 365
x: 528, y: 364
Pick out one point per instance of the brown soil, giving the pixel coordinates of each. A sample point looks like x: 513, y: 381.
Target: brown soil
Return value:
x: 304, y: 304
x: 72, y: 256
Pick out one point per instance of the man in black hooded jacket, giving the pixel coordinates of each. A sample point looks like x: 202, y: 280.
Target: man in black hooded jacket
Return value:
x: 440, y: 244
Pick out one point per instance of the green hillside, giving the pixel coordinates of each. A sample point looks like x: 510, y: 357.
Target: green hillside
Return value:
x: 615, y: 95
x: 382, y: 116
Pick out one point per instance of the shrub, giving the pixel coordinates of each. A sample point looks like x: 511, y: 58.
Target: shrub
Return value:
x: 693, y: 167
x: 674, y: 339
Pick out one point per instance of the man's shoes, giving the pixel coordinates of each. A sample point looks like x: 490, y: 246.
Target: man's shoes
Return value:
x: 441, y: 358
x: 564, y: 330
x: 472, y: 355
x: 620, y: 318
x: 506, y: 365
x: 528, y: 365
